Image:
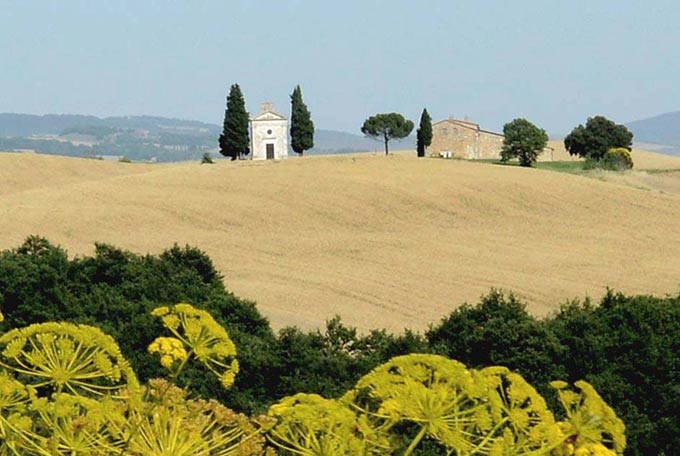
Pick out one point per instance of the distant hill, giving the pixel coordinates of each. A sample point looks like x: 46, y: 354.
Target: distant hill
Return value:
x: 383, y: 241
x: 144, y: 137
x: 662, y: 132
x: 331, y: 141
x: 54, y: 124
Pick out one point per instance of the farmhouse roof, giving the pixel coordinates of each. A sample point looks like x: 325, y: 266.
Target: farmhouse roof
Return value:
x: 467, y: 124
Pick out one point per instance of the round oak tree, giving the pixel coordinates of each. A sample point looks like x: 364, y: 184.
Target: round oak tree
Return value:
x: 524, y: 141
x: 386, y: 127
x: 301, y: 125
x: 598, y: 136
x: 424, y: 133
x: 234, y: 140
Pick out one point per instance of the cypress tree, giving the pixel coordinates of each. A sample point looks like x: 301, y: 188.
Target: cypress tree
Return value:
x: 424, y: 133
x: 301, y: 125
x: 234, y: 140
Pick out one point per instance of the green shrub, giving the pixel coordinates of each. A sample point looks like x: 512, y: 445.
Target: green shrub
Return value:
x: 115, y: 290
x: 617, y: 159
x: 207, y: 159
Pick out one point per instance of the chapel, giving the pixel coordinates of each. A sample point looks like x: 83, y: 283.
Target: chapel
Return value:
x: 268, y: 134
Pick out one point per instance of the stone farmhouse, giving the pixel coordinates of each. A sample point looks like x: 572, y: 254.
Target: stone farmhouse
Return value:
x: 268, y: 134
x: 464, y: 139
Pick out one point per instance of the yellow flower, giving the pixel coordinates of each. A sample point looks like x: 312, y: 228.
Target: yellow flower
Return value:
x: 205, y: 338
x: 591, y: 420
x: 169, y: 349
x: 309, y: 424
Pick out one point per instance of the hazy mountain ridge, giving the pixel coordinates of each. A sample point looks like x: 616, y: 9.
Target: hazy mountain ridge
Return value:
x: 12, y: 124
x: 145, y: 137
x: 660, y: 133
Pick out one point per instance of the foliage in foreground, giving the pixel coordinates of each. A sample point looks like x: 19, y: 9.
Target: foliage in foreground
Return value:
x: 67, y: 390
x: 626, y: 347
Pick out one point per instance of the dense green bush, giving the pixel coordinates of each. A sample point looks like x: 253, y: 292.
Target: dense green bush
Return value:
x: 617, y: 159
x: 116, y: 290
x: 627, y: 347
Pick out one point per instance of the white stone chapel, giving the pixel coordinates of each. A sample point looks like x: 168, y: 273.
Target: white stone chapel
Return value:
x: 268, y: 134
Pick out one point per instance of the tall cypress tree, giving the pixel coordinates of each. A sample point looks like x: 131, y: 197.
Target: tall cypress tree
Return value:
x: 301, y: 125
x: 234, y: 140
x: 424, y: 133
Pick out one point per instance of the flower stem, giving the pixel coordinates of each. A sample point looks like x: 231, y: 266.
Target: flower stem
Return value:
x: 415, y: 441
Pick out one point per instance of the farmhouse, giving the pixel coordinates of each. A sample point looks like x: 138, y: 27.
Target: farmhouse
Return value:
x: 464, y: 139
x: 268, y: 134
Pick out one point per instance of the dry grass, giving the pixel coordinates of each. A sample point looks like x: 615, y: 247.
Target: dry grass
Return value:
x: 644, y: 160
x: 384, y: 241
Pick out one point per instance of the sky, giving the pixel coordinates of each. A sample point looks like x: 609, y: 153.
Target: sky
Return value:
x: 552, y: 62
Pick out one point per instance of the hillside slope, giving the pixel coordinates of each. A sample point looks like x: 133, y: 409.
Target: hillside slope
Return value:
x: 661, y: 129
x: 383, y: 241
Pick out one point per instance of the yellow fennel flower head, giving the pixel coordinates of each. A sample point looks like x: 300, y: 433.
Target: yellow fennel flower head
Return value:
x: 429, y: 390
x: 76, y: 424
x: 63, y: 357
x: 594, y: 449
x: 229, y: 376
x: 203, y: 336
x: 528, y: 424
x: 592, y: 424
x: 466, y: 411
x: 310, y: 424
x: 172, y: 424
x: 10, y: 390
x: 169, y: 349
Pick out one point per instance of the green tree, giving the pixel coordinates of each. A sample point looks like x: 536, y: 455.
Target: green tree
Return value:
x: 234, y: 141
x: 301, y: 125
x: 424, y: 133
x: 597, y: 137
x: 386, y: 127
x: 523, y: 140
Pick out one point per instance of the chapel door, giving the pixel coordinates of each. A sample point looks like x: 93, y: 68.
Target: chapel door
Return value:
x: 270, y: 151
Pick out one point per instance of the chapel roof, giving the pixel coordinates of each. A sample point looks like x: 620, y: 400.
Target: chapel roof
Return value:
x: 267, y: 113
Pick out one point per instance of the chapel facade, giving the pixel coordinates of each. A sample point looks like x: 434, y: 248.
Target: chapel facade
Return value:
x: 464, y: 139
x: 268, y: 134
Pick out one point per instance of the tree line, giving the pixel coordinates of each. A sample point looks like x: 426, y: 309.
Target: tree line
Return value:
x: 601, y: 142
x: 626, y: 347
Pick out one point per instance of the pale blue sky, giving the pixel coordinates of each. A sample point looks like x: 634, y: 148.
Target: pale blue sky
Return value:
x: 553, y: 62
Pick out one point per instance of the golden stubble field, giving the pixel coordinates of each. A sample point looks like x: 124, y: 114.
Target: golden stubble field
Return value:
x: 388, y: 242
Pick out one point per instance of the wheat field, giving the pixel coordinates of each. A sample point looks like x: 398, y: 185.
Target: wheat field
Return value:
x: 386, y: 242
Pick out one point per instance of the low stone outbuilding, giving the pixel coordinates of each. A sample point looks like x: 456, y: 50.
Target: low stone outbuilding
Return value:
x: 268, y: 134
x: 464, y: 139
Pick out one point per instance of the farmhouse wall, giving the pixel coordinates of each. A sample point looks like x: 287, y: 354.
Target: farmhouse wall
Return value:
x: 464, y: 139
